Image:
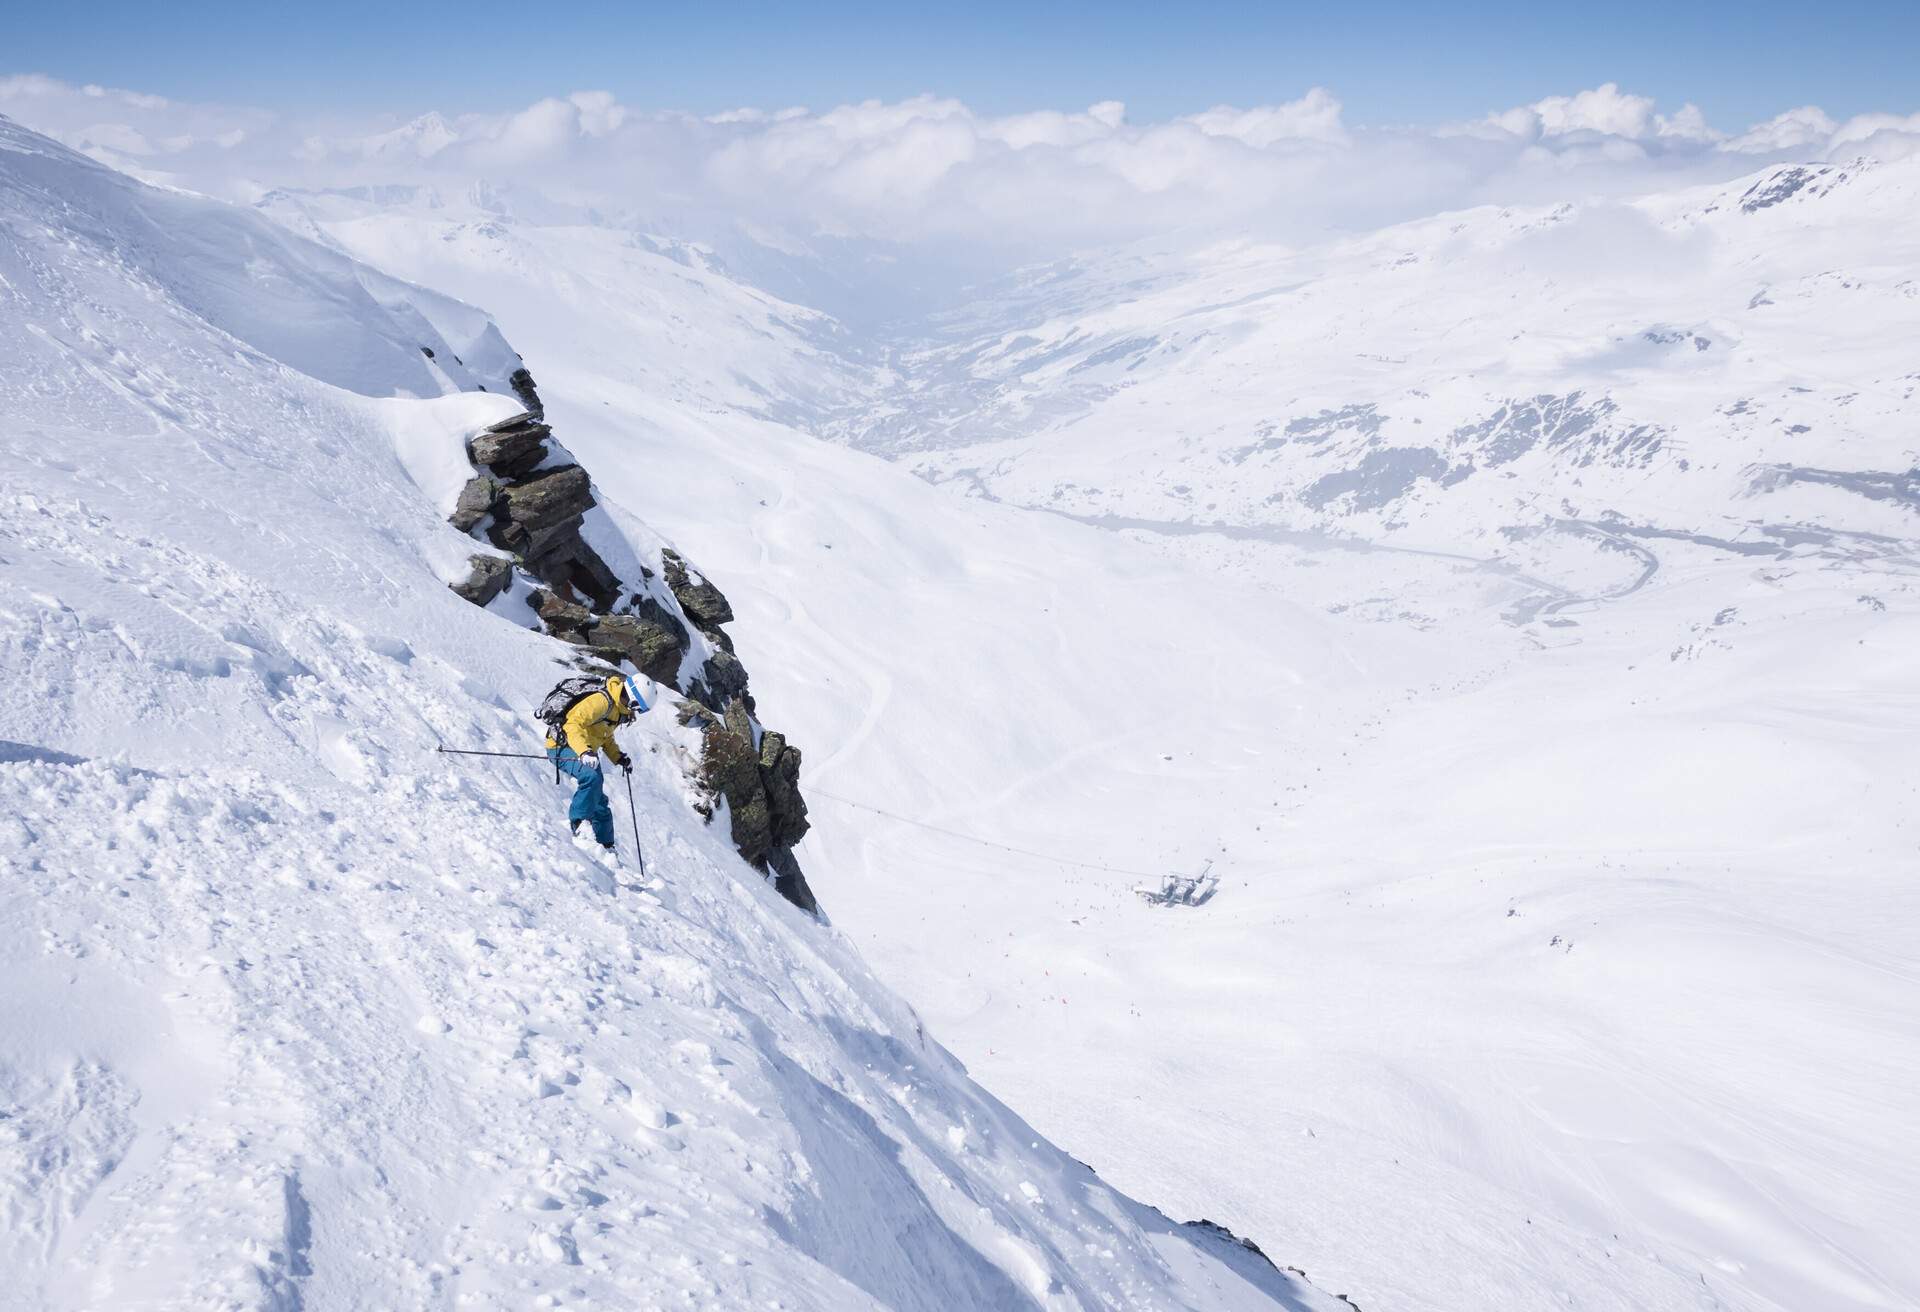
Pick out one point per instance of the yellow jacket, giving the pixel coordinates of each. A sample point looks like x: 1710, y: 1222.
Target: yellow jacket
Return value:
x: 590, y: 724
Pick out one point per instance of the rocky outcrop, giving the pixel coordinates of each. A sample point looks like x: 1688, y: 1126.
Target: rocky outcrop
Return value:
x: 780, y: 774
x: 522, y: 384
x: 511, y: 450
x: 650, y: 637
x: 542, y: 511
x: 760, y: 784
x: 702, y: 602
x: 723, y: 679
x: 528, y: 498
x: 475, y: 503
x: 487, y: 577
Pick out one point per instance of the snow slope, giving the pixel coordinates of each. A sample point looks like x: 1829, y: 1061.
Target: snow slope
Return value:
x: 655, y: 312
x: 1564, y: 948
x: 299, y: 1014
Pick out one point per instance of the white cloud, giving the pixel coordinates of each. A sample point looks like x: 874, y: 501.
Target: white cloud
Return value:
x: 119, y: 137
x: 124, y: 128
x: 600, y: 113
x: 1313, y: 117
x: 1796, y: 129
x: 1605, y: 109
x: 1688, y: 123
x: 932, y: 168
x: 1865, y: 127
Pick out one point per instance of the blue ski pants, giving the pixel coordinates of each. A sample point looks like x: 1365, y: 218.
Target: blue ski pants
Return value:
x: 589, y: 794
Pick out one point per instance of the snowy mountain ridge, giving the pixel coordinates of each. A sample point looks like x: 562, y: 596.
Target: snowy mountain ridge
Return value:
x: 298, y: 1013
x: 1650, y: 357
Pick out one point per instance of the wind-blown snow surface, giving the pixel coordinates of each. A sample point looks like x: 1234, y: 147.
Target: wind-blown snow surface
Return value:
x: 296, y: 1013
x: 1564, y: 955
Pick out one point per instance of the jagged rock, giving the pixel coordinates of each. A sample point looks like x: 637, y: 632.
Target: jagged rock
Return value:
x: 780, y: 776
x: 762, y: 790
x: 651, y: 638
x: 790, y: 883
x: 487, y: 578
x: 539, y: 518
x: 549, y: 498
x: 520, y: 420
x: 724, y: 676
x: 704, y: 604
x: 550, y: 550
x: 512, y: 450
x: 739, y: 720
x: 730, y: 768
x: 601, y: 659
x: 522, y: 384
x: 563, y: 618
x: 476, y: 501
x: 589, y: 575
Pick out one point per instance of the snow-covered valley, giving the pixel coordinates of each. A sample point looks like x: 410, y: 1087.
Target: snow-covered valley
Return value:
x: 1543, y: 698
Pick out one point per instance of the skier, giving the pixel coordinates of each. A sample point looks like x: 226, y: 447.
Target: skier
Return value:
x: 581, y: 715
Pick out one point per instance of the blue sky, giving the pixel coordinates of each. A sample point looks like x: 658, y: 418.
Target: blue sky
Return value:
x: 1389, y: 60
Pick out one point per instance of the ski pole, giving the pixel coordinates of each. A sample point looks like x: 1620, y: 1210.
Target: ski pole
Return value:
x: 463, y: 751
x: 634, y: 816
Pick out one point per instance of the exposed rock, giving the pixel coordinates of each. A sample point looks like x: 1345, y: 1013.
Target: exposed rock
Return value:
x: 522, y: 384
x: 704, y: 604
x: 589, y: 575
x: 538, y: 518
x: 597, y: 659
x: 511, y: 450
x: 651, y: 638
x: 563, y: 618
x: 730, y: 768
x: 487, y: 578
x: 725, y: 678
x: 549, y: 498
x: 790, y: 883
x: 739, y: 720
x: 475, y: 503
x: 549, y: 550
x: 780, y: 776
x: 762, y: 791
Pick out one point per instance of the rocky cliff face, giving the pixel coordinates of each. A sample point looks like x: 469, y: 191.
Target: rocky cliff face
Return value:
x: 529, y: 500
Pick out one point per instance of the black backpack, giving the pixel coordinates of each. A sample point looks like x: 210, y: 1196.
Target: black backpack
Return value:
x: 566, y: 694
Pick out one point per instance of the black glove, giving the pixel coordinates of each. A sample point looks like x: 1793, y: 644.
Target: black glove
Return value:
x: 626, y: 765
